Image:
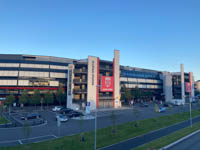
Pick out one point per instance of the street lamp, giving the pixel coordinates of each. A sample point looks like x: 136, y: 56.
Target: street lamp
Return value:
x: 95, y: 124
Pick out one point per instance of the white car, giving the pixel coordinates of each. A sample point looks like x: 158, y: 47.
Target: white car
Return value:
x: 57, y: 108
x: 162, y: 109
x: 62, y: 118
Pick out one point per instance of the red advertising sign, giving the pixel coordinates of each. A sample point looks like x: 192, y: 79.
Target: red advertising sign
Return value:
x: 107, y: 83
x: 188, y: 87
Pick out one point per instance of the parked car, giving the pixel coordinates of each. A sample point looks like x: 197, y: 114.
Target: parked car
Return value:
x: 65, y: 110
x: 57, y: 108
x: 31, y: 116
x: 62, y: 118
x: 144, y: 105
x: 162, y: 109
x: 74, y: 114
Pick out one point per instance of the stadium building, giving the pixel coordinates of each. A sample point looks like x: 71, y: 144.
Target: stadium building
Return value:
x: 90, y: 81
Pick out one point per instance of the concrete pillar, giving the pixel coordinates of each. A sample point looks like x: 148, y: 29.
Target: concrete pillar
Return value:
x: 116, y: 71
x: 192, y: 84
x: 182, y: 83
x: 92, y: 81
x: 167, y: 86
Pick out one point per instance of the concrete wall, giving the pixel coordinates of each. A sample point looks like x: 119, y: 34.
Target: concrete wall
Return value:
x: 92, y: 82
x: 182, y: 83
x: 117, y: 79
x: 167, y: 86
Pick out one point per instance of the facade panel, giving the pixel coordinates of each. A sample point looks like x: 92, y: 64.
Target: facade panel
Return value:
x: 9, y: 64
x: 9, y: 73
x: 34, y: 66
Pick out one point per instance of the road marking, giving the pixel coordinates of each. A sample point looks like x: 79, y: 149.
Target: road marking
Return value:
x: 180, y: 140
x: 54, y: 136
x: 20, y: 142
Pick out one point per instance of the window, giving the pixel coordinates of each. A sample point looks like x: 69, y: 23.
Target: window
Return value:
x: 58, y: 75
x: 58, y: 67
x: 33, y: 74
x: 8, y: 82
x: 34, y: 66
x: 23, y: 82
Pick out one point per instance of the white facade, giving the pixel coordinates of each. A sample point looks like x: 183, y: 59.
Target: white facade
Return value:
x: 198, y: 85
x: 167, y: 86
x: 117, y: 79
x: 182, y: 83
x: 92, y: 82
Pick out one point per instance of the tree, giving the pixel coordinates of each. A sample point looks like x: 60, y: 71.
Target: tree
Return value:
x: 126, y: 94
x: 113, y: 118
x: 82, y: 135
x: 1, y: 111
x: 48, y: 98
x: 149, y: 94
x: 27, y: 130
x: 136, y: 93
x: 136, y: 113
x: 60, y: 96
x: 36, y: 98
x: 9, y: 101
x: 23, y: 99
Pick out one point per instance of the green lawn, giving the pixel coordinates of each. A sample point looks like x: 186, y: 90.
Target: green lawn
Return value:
x: 166, y: 140
x: 105, y: 136
x: 3, y: 120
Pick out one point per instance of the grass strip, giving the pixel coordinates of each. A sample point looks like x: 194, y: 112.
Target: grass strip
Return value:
x: 106, y: 137
x: 3, y: 120
x: 166, y: 140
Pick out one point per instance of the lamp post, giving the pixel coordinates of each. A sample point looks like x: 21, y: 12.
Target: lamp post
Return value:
x: 95, y: 123
x: 190, y: 112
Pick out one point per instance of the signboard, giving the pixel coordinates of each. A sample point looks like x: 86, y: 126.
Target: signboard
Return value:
x: 87, y: 110
x: 188, y: 87
x: 70, y: 82
x: 107, y: 84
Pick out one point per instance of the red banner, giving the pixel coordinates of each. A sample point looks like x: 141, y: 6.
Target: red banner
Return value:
x: 107, y: 84
x: 188, y: 87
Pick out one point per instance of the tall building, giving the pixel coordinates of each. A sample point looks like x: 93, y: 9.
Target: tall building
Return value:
x: 90, y: 81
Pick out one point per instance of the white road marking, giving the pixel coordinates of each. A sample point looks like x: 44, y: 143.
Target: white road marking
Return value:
x: 20, y: 142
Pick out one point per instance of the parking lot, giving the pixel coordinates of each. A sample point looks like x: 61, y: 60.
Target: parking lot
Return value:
x: 50, y: 130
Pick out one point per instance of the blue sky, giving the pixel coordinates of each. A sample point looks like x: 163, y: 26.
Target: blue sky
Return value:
x: 154, y: 34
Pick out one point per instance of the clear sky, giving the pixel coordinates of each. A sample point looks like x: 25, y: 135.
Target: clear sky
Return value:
x: 154, y: 34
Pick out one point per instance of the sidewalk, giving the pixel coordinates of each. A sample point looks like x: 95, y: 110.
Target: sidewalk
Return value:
x: 110, y: 109
x: 146, y: 138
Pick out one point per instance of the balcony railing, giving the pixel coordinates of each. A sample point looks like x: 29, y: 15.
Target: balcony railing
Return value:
x: 80, y: 90
x: 80, y: 70
x: 80, y: 81
x: 79, y: 100
x: 106, y: 68
x: 105, y: 96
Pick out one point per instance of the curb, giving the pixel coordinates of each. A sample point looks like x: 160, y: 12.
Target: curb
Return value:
x: 180, y: 140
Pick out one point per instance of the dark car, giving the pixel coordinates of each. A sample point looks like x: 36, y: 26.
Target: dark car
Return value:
x: 31, y: 116
x: 65, y: 110
x: 166, y: 105
x: 74, y: 114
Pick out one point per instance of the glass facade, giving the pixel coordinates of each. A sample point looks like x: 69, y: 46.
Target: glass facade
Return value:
x: 146, y: 80
x: 19, y: 72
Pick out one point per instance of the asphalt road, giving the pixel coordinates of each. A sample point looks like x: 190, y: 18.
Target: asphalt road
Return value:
x: 16, y: 136
x: 192, y: 143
